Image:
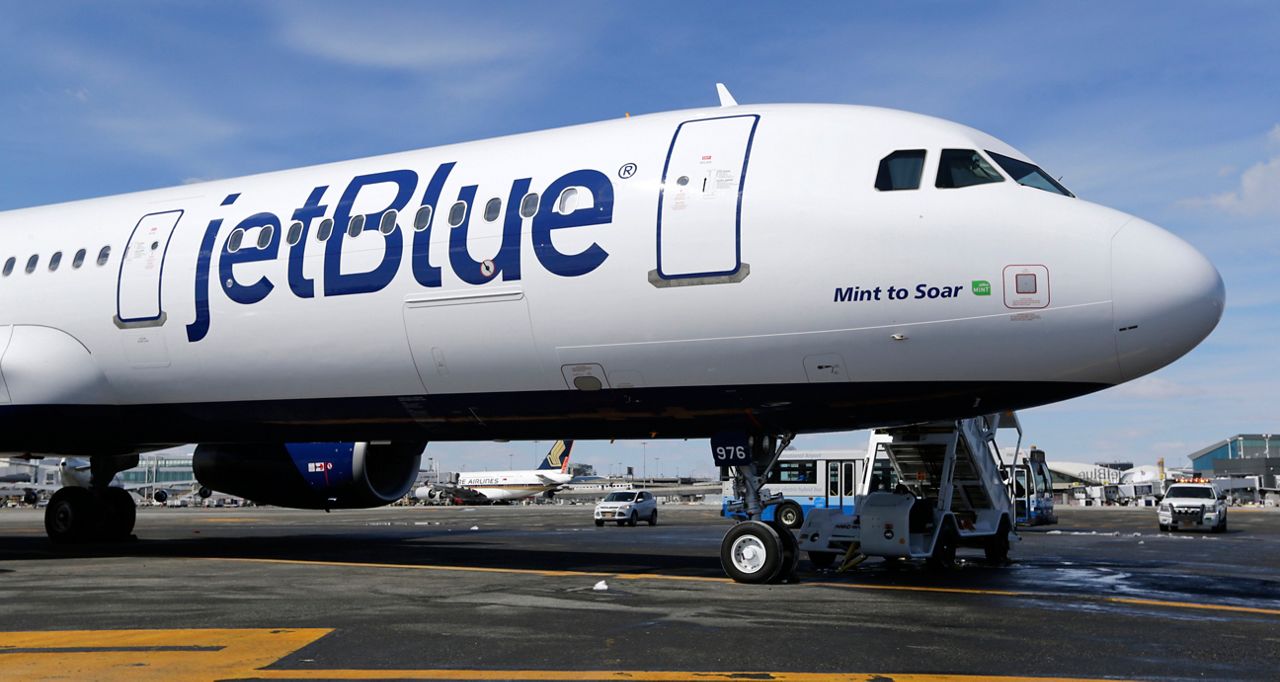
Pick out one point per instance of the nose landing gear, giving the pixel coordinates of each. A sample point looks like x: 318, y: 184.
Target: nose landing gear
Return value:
x: 754, y: 551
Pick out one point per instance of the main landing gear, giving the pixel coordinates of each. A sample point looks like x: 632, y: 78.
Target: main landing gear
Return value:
x: 755, y: 551
x: 98, y: 513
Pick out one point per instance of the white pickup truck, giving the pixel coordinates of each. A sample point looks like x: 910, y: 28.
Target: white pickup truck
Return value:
x: 1193, y: 505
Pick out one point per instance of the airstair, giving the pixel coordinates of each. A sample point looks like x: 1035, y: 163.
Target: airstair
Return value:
x: 927, y: 489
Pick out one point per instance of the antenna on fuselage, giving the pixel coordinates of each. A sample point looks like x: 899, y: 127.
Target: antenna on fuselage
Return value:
x: 726, y: 98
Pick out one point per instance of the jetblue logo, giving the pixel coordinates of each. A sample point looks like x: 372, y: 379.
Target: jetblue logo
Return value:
x: 403, y: 186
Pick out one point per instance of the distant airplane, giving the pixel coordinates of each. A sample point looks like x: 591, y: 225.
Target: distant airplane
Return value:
x: 505, y: 486
x: 743, y: 273
x: 76, y: 472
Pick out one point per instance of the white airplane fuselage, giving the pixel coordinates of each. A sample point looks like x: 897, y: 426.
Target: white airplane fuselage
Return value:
x: 728, y: 268
x: 513, y: 485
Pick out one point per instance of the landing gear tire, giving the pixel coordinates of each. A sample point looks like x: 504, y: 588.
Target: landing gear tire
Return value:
x: 790, y: 514
x: 599, y: 522
x: 120, y: 514
x: 944, y: 550
x: 997, y: 547
x: 71, y: 516
x: 790, y: 554
x: 635, y: 518
x: 752, y: 552
x: 822, y: 560
x: 653, y: 518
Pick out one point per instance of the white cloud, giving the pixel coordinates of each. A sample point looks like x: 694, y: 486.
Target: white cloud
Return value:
x: 1259, y: 190
x: 1151, y: 387
x: 424, y: 43
x: 1258, y: 194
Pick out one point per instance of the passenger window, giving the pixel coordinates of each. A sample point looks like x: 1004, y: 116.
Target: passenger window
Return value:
x: 355, y: 226
x: 529, y: 205
x: 235, y: 240
x: 900, y: 170
x: 103, y: 255
x: 964, y: 168
x: 8, y: 266
x: 388, y: 223
x: 78, y: 260
x: 492, y: 209
x: 422, y: 218
x: 457, y: 214
x: 31, y: 263
x: 265, y: 236
x: 568, y: 202
x: 295, y: 233
x: 55, y: 260
x: 325, y: 230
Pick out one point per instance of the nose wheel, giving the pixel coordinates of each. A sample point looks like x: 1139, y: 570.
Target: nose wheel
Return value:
x: 758, y: 553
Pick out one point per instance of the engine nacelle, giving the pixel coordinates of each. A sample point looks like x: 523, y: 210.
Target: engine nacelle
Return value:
x: 311, y: 475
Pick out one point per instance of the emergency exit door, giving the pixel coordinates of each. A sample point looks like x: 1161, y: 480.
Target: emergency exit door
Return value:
x: 700, y: 202
x: 138, y: 289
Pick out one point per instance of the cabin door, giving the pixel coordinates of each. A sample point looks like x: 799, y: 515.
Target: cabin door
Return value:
x: 700, y: 202
x: 138, y: 301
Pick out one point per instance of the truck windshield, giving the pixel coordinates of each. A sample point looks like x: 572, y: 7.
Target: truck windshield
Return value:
x: 1194, y: 492
x: 1029, y: 174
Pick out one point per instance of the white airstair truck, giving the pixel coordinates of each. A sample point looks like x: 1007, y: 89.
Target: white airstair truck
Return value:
x: 927, y: 489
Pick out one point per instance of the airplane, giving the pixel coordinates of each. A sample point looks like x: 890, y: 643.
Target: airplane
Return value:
x: 743, y: 273
x: 505, y: 486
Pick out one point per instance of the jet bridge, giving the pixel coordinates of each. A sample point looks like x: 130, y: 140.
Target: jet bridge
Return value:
x: 927, y: 489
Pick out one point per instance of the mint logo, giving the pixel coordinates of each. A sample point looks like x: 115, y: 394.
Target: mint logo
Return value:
x: 981, y: 287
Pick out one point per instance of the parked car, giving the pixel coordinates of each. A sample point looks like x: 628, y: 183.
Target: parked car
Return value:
x: 627, y: 507
x: 1193, y: 505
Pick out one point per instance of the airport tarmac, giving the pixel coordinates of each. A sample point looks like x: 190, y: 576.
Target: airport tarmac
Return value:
x: 486, y: 593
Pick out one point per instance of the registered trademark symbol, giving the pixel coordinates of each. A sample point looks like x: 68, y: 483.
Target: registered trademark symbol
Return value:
x: 627, y: 170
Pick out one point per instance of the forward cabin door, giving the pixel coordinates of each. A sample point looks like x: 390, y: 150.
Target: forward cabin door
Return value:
x: 138, y: 301
x: 700, y: 202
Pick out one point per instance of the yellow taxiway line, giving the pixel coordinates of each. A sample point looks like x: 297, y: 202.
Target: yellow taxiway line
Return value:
x: 705, y: 579
x: 228, y: 654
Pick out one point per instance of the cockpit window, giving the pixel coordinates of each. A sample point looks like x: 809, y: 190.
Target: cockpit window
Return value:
x: 964, y: 168
x: 1028, y: 174
x: 900, y: 170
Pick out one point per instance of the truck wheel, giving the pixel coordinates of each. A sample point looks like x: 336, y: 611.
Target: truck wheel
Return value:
x: 635, y: 518
x: 599, y: 522
x: 1164, y: 528
x: 822, y: 560
x: 751, y: 552
x: 997, y: 547
x: 790, y: 515
x: 653, y: 518
x: 944, y: 550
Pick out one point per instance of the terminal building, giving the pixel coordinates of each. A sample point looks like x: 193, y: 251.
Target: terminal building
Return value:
x: 1240, y: 456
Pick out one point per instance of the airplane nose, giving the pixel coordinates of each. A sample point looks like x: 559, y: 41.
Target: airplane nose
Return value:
x: 1166, y: 297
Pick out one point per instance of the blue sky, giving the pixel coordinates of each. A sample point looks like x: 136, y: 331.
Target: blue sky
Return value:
x: 1170, y: 111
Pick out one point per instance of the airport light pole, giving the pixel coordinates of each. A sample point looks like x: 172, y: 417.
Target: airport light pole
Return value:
x: 644, y: 460
x: 657, y: 464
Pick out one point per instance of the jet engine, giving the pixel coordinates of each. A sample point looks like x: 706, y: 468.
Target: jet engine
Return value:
x: 310, y: 475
